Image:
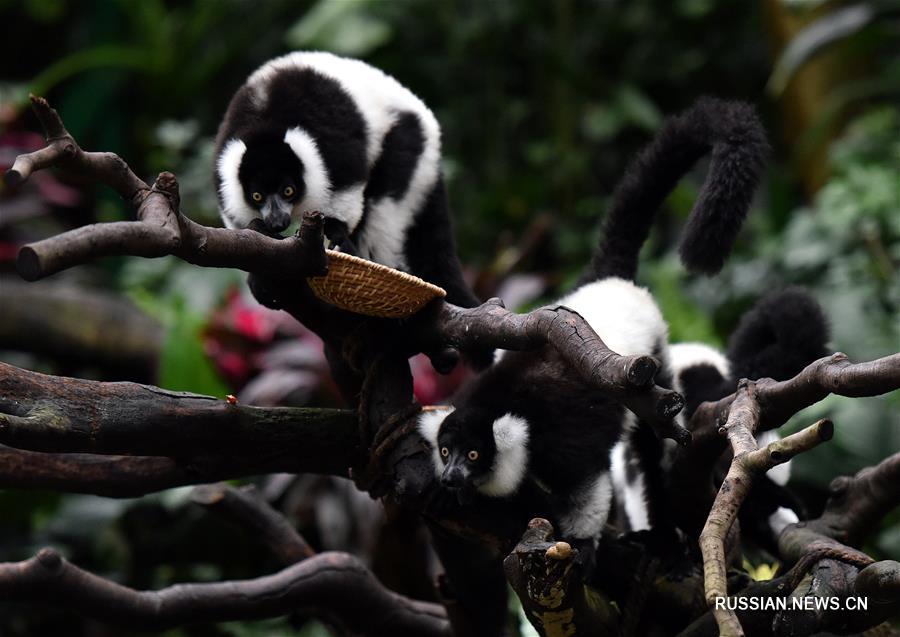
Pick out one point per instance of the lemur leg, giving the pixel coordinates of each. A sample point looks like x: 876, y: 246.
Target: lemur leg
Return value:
x: 586, y: 558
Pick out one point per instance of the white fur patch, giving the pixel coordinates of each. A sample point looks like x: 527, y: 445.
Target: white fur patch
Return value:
x: 234, y: 210
x: 685, y: 355
x: 589, y: 509
x: 632, y: 495
x: 315, y: 175
x: 624, y: 315
x: 429, y: 426
x: 779, y: 474
x: 389, y: 219
x: 511, y: 461
x: 780, y: 519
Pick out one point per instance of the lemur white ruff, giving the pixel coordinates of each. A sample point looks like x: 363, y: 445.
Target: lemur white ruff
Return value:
x: 530, y: 417
x: 314, y: 131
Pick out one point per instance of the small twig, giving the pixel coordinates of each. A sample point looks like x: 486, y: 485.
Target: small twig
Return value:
x: 246, y: 508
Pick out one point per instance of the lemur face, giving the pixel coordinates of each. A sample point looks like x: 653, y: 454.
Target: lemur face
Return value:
x: 271, y: 179
x: 467, y: 449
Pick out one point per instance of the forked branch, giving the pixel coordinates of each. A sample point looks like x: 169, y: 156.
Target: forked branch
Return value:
x: 776, y: 402
x: 748, y: 462
x: 160, y: 228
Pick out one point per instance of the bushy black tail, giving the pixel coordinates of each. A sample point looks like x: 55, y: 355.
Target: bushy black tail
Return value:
x: 783, y: 333
x: 732, y: 133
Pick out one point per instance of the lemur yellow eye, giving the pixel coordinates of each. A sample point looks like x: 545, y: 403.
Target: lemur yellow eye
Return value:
x: 445, y: 452
x: 257, y: 197
x: 473, y: 455
x: 288, y: 192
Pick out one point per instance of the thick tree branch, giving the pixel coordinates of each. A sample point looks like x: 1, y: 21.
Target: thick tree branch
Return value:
x: 160, y: 228
x: 856, y: 504
x: 825, y: 569
x: 247, y: 509
x: 334, y: 585
x: 54, y: 414
x: 130, y: 476
x: 779, y: 401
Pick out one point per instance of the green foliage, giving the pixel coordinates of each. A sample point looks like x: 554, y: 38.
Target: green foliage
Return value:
x: 345, y: 28
x: 181, y: 297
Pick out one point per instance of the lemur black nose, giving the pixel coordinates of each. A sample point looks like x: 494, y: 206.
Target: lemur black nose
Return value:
x: 453, y: 479
x: 278, y: 221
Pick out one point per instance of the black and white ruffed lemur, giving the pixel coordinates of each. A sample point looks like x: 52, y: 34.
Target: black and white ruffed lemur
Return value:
x: 530, y: 417
x: 783, y: 333
x: 314, y: 131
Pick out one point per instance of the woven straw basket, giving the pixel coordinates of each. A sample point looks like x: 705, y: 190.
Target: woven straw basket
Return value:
x: 369, y: 288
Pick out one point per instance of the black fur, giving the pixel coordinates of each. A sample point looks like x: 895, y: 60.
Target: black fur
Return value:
x: 783, y: 333
x: 778, y: 337
x: 701, y: 383
x: 569, y: 421
x: 269, y: 166
x: 733, y: 134
x: 302, y: 97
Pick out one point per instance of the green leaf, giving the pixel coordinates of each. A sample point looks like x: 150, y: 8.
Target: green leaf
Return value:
x: 183, y: 364
x: 823, y: 32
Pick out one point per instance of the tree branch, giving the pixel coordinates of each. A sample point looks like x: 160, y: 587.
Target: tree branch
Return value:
x: 247, y: 509
x: 747, y: 463
x: 160, y: 228
x: 777, y: 402
x: 628, y: 379
x: 334, y: 585
x: 54, y: 414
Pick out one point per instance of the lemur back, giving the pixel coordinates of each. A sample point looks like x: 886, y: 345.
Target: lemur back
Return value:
x: 353, y: 143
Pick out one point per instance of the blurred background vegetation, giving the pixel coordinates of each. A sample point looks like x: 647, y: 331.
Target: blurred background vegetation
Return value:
x: 542, y: 104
